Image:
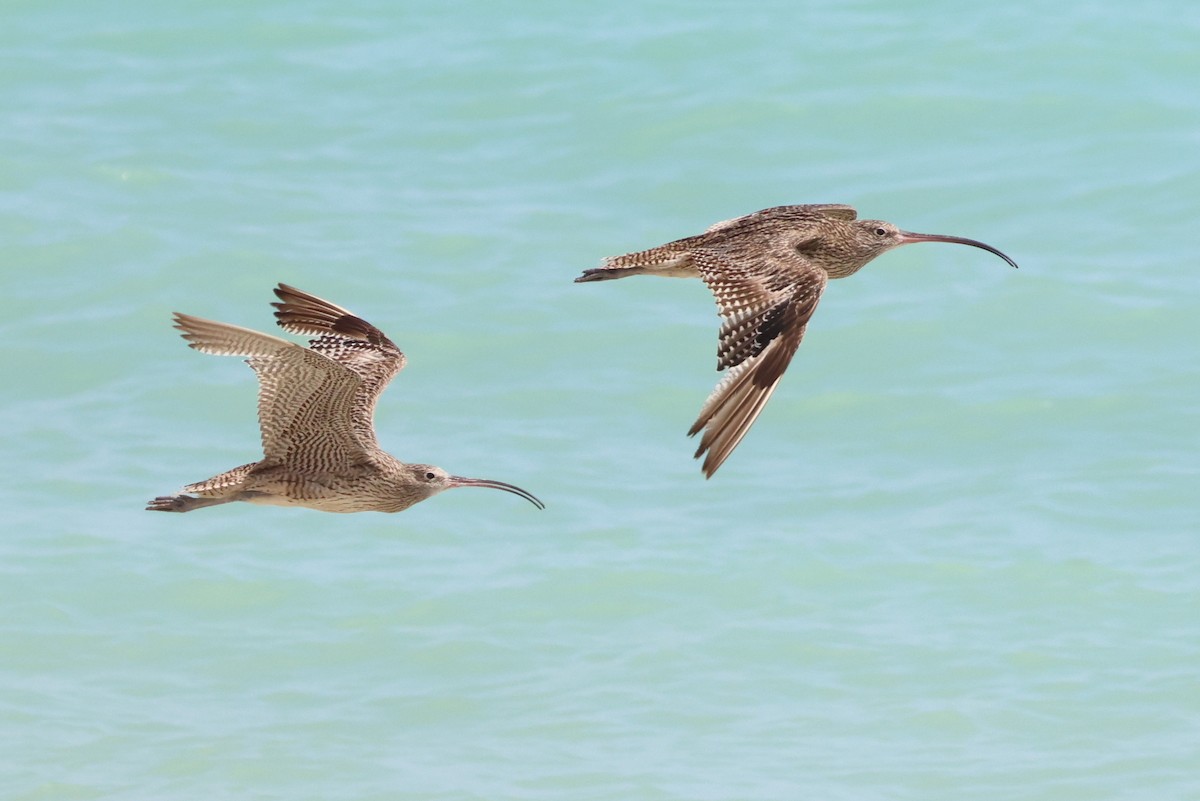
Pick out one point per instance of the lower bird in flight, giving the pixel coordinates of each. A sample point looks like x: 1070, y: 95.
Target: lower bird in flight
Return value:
x: 316, y: 408
x: 767, y: 271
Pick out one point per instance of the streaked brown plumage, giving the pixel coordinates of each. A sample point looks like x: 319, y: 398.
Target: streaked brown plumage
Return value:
x: 316, y: 409
x: 767, y: 271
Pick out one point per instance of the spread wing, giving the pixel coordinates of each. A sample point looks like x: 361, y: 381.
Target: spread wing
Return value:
x: 304, y: 397
x: 765, y: 312
x: 349, y: 341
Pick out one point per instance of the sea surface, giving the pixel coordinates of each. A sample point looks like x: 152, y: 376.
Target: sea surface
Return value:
x: 958, y: 557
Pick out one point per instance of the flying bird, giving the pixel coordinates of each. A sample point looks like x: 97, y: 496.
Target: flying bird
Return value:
x: 316, y: 409
x: 767, y: 271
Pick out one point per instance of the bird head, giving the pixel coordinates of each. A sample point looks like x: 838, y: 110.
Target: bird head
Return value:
x: 874, y: 237
x: 429, y: 480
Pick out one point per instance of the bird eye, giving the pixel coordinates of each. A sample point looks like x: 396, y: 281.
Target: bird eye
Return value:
x: 430, y: 476
x: 880, y: 232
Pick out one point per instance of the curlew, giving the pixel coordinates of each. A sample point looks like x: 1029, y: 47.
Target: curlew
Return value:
x: 316, y: 409
x: 768, y: 271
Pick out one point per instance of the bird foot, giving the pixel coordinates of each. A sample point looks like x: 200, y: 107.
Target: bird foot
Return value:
x: 599, y: 274
x: 173, y: 503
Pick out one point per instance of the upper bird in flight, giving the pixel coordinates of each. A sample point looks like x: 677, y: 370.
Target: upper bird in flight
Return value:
x: 767, y: 271
x: 316, y: 410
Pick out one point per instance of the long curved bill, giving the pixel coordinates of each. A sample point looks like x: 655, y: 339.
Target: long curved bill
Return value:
x: 908, y: 238
x: 459, y: 481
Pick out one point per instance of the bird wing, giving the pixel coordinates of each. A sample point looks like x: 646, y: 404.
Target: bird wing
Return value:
x: 351, y: 342
x: 834, y: 211
x: 304, y: 397
x: 765, y: 312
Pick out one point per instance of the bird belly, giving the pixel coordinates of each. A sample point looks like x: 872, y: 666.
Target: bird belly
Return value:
x: 329, y: 493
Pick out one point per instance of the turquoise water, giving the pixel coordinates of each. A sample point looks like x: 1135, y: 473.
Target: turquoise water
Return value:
x: 956, y: 558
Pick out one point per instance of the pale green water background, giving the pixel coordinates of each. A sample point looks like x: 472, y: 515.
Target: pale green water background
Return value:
x: 957, y: 558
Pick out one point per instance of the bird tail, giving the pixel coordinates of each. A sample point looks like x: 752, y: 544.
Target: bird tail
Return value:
x: 672, y: 260
x: 222, y: 483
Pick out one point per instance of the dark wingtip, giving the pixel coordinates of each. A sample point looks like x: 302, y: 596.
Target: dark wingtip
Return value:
x: 709, y: 468
x: 711, y: 465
